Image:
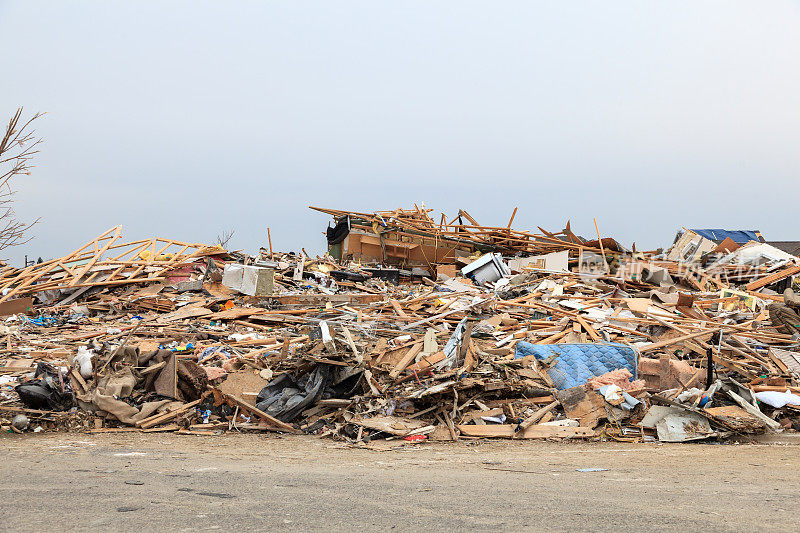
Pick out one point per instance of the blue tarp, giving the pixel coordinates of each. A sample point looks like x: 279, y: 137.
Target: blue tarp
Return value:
x: 579, y: 362
x: 738, y: 236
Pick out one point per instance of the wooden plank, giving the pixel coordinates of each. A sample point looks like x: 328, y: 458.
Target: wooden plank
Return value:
x: 589, y: 329
x: 397, y: 308
x: 533, y: 432
x: 166, y: 417
x: 406, y: 360
x: 446, y: 313
x: 789, y: 361
x: 269, y: 419
x: 426, y: 362
x: 775, y: 388
x: 661, y: 344
x: 538, y: 400
x: 34, y: 412
x: 349, y: 337
x: 98, y: 255
x: 772, y: 278
x: 535, y: 417
x: 180, y: 314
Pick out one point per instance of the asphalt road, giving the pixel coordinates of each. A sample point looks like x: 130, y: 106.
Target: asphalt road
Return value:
x: 132, y: 482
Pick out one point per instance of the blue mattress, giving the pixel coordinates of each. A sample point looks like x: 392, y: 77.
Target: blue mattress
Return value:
x: 577, y: 363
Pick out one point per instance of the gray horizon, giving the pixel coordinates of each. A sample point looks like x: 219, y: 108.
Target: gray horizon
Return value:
x: 189, y: 119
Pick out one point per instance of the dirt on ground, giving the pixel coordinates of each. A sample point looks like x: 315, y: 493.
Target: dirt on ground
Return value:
x: 128, y: 481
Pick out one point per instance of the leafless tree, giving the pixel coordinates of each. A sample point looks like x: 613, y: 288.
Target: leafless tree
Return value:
x: 226, y: 236
x: 17, y: 148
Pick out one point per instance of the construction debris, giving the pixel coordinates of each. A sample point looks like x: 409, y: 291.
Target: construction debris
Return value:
x: 409, y: 328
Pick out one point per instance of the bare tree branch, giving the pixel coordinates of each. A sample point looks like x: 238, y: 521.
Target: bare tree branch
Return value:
x: 226, y: 236
x: 17, y: 148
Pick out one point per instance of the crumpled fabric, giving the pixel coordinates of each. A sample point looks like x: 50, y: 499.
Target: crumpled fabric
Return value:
x: 783, y: 318
x: 778, y: 399
x: 192, y: 380
x: 614, y: 395
x: 791, y: 299
x: 337, y: 234
x: 120, y: 384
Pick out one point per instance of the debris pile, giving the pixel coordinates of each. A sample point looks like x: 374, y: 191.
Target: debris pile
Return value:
x: 408, y: 328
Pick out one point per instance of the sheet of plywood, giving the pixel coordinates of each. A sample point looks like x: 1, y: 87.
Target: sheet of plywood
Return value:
x: 16, y: 306
x: 242, y: 384
x: 184, y: 312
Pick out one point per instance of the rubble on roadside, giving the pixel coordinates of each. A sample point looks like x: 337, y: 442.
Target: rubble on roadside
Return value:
x: 409, y: 328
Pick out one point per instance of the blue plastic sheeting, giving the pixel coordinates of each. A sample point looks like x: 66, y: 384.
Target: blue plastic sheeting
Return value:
x: 41, y: 321
x: 738, y: 236
x: 577, y: 363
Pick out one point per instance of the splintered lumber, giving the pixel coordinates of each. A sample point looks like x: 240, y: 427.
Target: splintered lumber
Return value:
x: 789, y: 360
x: 775, y: 388
x: 661, y: 344
x: 418, y: 222
x: 98, y: 255
x: 318, y: 299
x: 93, y: 334
x: 446, y: 313
x: 535, y: 417
x: 154, y: 368
x: 600, y: 240
x: 772, y: 278
x: 166, y: 417
x: 539, y: 400
x: 32, y: 412
x: 426, y: 362
x: 397, y: 308
x: 140, y: 261
x: 736, y: 418
x: 753, y: 410
x: 269, y: 419
x: 589, y: 329
x: 122, y: 345
x: 406, y: 360
x: 381, y: 342
x: 350, y: 342
x: 180, y: 314
x: 236, y: 312
x: 540, y: 431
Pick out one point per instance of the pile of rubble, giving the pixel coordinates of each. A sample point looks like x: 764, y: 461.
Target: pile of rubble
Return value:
x: 408, y: 328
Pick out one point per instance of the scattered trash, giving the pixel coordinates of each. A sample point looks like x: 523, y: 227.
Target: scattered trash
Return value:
x: 413, y: 328
x: 20, y: 422
x: 778, y: 399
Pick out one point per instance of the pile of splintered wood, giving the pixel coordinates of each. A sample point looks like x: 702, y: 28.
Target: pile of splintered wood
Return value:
x: 428, y: 359
x: 102, y: 262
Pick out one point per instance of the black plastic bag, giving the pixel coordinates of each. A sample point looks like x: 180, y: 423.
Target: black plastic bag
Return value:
x: 51, y: 390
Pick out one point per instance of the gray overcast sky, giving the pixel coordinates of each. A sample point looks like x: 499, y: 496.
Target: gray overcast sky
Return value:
x: 183, y: 119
